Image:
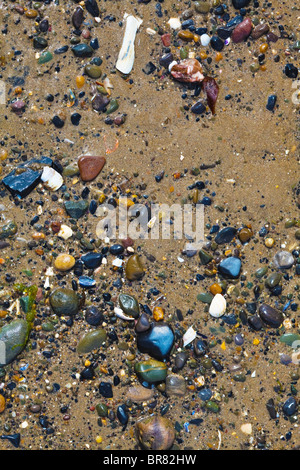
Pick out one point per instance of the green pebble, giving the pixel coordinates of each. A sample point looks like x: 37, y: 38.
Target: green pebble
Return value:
x: 102, y: 410
x: 92, y: 340
x: 261, y: 272
x: 151, y: 371
x: 93, y: 70
x: 45, y: 57
x: 205, y: 297
x: 129, y: 305
x: 212, y: 406
x: 113, y: 106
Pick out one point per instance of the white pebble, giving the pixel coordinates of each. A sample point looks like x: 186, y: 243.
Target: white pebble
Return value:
x: 205, y: 40
x: 217, y: 307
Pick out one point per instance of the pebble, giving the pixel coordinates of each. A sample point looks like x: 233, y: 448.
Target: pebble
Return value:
x: 270, y: 316
x: 155, y: 433
x: 138, y: 394
x: 175, y: 385
x: 82, y: 50
x: 230, y: 267
x: 13, y: 337
x: 217, y: 307
x: 134, y: 269
x: 226, y: 235
x: 92, y: 260
x: 64, y: 301
x: 90, y: 166
x: 238, y: 4
x: 142, y: 324
x: 157, y: 341
x: 93, y: 71
x: 290, y: 406
x: 105, y: 389
x: 151, y: 371
x: 76, y: 209
x: 93, y: 316
x: 283, y: 260
x: 92, y: 340
x: 242, y: 31
x: 260, y: 30
x: 129, y: 305
x: 64, y: 262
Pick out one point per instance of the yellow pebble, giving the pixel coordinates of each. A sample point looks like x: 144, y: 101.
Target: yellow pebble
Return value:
x: 256, y: 342
x: 80, y: 80
x: 158, y: 313
x: 87, y: 363
x: 99, y: 439
x: 269, y: 242
x: 64, y: 262
x: 215, y: 289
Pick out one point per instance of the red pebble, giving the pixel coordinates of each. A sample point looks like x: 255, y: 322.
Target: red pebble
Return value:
x: 242, y: 30
x: 166, y: 39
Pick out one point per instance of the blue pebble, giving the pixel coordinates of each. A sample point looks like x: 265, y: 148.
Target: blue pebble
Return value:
x: 85, y: 281
x: 230, y: 267
x: 205, y: 394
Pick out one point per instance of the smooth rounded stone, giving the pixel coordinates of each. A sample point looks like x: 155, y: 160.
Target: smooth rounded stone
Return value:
x: 134, y: 269
x: 202, y: 6
x: 92, y: 340
x: 102, y: 410
x: 180, y: 360
x: 270, y: 316
x: 100, y: 102
x: 93, y: 70
x: 260, y: 30
x: 64, y: 262
x: 283, y: 260
x: 259, y: 273
x: 238, y: 4
x: 77, y: 17
x: 290, y: 339
x: 205, y: 257
x: 245, y: 234
x: 8, y: 230
x: 151, y: 371
x: 291, y: 71
x: 273, y: 280
x: 216, y: 43
x: 175, y: 385
x: 90, y: 166
x: 82, y: 50
x: 200, y: 347
x: 86, y: 282
x: 290, y: 406
x: 205, y: 297
x: 44, y: 25
x: 122, y: 415
x: 205, y: 40
x: 64, y: 301
x: 285, y: 359
x: 217, y: 307
x: 155, y: 433
x: 105, y: 389
x: 92, y: 260
x: 239, y: 339
x: 157, y: 341
x: 226, y: 235
x: 40, y: 43
x: 116, y: 249
x: 138, y: 393
x: 205, y: 394
x: 230, y: 267
x: 45, y: 57
x: 93, y: 316
x: 13, y: 339
x: 255, y: 322
x: 76, y: 209
x: 198, y: 108
x: 142, y: 324
x: 242, y: 31
x: 129, y: 305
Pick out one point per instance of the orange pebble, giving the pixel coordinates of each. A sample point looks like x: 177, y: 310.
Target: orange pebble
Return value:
x: 264, y: 47
x: 18, y: 90
x: 38, y: 236
x: 80, y: 81
x: 218, y: 57
x: 203, y: 55
x: 215, y: 289
x: 158, y: 313
x: 2, y: 403
x: 2, y: 260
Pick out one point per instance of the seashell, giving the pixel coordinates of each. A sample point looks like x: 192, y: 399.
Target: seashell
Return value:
x: 217, y: 307
x: 65, y: 232
x: 189, y: 336
x: 51, y: 178
x: 188, y: 70
x: 155, y: 433
x: 174, y: 23
x: 119, y: 312
x: 126, y: 55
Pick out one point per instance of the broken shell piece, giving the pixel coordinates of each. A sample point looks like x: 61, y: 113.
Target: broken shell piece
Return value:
x: 65, y: 232
x: 126, y: 55
x: 119, y: 312
x: 51, y: 178
x: 217, y: 307
x: 188, y: 70
x: 189, y: 336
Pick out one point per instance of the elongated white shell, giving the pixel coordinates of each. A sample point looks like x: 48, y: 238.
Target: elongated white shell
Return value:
x: 119, y: 312
x: 126, y: 55
x: 51, y: 178
x: 189, y: 336
x: 217, y: 307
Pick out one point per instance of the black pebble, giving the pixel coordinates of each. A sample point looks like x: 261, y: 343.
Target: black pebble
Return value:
x: 291, y: 71
x: 216, y: 43
x: 105, y: 390
x: 59, y: 123
x: 75, y: 119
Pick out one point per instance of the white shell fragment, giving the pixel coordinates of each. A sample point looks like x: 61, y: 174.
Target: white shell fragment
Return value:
x: 51, y: 178
x: 65, y: 232
x: 126, y: 55
x: 189, y: 336
x: 119, y: 312
x: 217, y: 307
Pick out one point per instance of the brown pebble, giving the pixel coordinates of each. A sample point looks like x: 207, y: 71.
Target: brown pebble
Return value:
x: 138, y: 393
x: 2, y: 403
x: 260, y: 30
x: 90, y: 166
x: 242, y: 30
